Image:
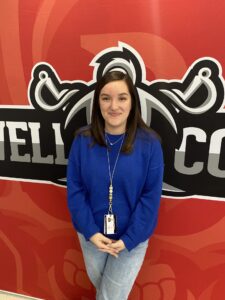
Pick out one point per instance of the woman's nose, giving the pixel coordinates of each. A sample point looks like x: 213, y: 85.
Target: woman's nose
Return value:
x: 114, y: 104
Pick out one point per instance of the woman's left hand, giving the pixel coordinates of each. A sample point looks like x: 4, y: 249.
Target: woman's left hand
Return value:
x: 118, y: 245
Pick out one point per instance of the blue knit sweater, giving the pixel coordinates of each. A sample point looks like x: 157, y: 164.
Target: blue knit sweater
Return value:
x: 137, y: 185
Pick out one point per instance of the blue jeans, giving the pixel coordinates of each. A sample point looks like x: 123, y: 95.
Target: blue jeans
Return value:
x: 112, y: 277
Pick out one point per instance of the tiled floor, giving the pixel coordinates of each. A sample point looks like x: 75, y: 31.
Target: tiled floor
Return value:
x: 11, y: 296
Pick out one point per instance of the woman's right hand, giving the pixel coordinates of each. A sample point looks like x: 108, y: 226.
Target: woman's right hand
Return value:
x: 103, y: 244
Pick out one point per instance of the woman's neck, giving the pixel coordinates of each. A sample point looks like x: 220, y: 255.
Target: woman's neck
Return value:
x: 115, y: 131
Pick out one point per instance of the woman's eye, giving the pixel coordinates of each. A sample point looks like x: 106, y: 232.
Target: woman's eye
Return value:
x: 105, y: 98
x: 123, y: 98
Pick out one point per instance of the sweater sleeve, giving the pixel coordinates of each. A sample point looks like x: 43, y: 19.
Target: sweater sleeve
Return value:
x: 144, y: 218
x: 79, y: 208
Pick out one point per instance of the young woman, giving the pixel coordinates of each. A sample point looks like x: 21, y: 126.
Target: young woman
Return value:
x: 114, y: 182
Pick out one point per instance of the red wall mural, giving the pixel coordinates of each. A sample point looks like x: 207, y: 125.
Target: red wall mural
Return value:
x: 51, y: 53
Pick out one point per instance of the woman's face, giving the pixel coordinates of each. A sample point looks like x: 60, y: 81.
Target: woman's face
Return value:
x: 115, y: 106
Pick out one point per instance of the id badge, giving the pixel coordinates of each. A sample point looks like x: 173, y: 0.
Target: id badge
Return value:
x: 109, y: 224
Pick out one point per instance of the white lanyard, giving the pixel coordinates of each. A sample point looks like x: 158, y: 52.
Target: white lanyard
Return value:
x: 111, y: 174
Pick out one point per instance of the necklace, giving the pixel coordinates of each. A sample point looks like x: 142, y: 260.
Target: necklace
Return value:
x: 111, y: 173
x: 113, y: 143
